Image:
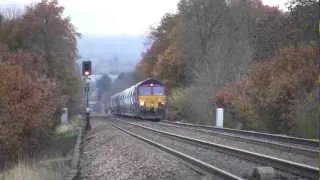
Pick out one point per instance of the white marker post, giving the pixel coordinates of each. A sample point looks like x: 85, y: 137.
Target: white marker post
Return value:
x: 219, y: 117
x: 64, y: 116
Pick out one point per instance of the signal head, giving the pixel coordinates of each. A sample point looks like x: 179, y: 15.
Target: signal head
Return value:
x: 86, y: 68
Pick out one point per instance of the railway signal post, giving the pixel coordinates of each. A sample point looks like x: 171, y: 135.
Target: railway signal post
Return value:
x: 318, y: 62
x: 86, y: 72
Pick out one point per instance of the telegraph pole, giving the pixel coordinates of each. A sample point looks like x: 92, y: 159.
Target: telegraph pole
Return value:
x: 86, y: 72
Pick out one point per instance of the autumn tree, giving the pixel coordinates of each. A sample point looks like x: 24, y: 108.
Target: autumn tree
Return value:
x: 270, y: 96
x: 54, y: 45
x: 202, y: 47
x: 270, y: 32
x: 219, y: 52
x: 279, y: 93
x: 303, y: 21
x: 28, y: 104
x: 227, y: 52
x: 38, y: 74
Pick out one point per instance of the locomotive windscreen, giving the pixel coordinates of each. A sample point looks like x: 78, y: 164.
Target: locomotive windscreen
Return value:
x: 148, y: 90
x: 144, y: 91
x: 158, y: 90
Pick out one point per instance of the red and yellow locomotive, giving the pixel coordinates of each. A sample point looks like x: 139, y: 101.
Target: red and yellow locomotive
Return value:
x: 146, y: 99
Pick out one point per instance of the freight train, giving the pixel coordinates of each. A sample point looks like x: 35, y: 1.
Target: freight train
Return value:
x: 145, y: 100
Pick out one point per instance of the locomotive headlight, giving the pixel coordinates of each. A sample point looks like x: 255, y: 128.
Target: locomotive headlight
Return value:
x: 141, y: 103
x: 161, y: 102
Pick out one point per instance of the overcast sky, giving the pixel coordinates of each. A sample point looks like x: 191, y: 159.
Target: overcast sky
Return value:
x: 117, y: 17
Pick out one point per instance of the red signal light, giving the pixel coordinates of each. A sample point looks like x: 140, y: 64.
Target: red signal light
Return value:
x: 86, y: 68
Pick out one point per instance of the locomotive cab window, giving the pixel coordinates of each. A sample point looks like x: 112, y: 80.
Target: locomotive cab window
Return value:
x: 158, y: 90
x: 145, y: 91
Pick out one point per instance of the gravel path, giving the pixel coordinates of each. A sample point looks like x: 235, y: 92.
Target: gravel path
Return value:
x: 108, y: 153
x: 264, y: 149
x: 232, y: 164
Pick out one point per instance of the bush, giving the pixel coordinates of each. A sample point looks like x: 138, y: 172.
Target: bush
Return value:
x: 27, y: 108
x: 70, y: 129
x: 191, y: 104
x: 181, y: 104
x: 178, y: 98
x: 276, y: 96
x: 307, y: 113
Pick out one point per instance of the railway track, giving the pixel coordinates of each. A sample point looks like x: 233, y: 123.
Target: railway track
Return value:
x: 295, y: 153
x: 203, y: 165
x: 304, y: 155
x: 308, y: 144
x: 251, y: 159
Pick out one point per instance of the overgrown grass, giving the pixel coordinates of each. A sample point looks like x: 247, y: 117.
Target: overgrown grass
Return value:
x: 52, y: 169
x: 52, y: 163
x: 70, y: 129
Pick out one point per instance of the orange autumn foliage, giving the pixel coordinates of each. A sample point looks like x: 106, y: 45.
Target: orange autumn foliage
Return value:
x: 27, y: 105
x: 38, y: 50
x: 270, y: 90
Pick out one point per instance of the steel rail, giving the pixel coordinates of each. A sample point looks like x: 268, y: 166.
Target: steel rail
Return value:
x: 196, y: 162
x: 298, y: 169
x: 283, y: 138
x: 286, y: 147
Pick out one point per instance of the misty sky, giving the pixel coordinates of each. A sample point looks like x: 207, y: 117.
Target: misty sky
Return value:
x: 117, y: 17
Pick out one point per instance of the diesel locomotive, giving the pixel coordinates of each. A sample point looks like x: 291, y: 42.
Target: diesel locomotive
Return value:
x: 145, y: 100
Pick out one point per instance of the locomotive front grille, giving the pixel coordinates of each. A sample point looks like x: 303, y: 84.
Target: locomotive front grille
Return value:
x: 151, y: 102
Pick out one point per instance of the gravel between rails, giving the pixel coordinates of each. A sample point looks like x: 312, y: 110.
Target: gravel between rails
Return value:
x: 233, y: 165
x: 108, y: 153
x: 263, y: 149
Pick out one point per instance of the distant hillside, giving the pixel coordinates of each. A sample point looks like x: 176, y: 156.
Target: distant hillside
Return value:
x: 112, y: 54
